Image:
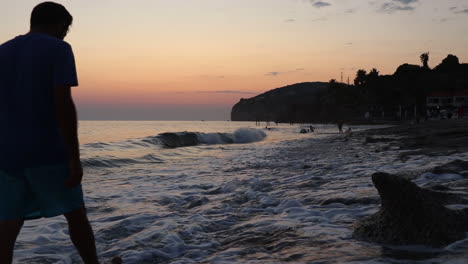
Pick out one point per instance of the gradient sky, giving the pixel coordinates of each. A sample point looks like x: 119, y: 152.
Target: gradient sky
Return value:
x: 194, y: 59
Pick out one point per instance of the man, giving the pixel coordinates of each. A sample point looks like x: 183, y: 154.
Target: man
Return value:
x: 40, y: 168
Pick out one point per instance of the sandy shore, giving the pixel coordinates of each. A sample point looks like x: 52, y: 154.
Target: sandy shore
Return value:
x: 432, y: 138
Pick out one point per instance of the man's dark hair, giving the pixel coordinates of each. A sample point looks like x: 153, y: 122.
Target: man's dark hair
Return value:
x: 50, y: 13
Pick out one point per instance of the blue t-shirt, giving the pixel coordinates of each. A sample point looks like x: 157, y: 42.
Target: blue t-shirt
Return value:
x: 31, y: 66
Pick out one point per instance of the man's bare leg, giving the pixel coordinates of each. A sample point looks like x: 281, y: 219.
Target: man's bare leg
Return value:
x: 82, y: 235
x: 9, y: 230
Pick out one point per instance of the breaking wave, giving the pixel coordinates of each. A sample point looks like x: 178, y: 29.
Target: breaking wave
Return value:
x: 186, y: 139
x: 168, y: 140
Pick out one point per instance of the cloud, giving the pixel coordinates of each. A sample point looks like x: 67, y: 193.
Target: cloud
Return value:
x: 458, y: 10
x: 407, y: 2
x: 398, y: 5
x: 462, y: 11
x: 319, y: 4
x: 290, y: 20
x: 277, y: 73
x: 273, y: 74
x: 226, y: 92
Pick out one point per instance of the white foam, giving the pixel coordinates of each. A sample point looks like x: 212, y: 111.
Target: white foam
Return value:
x: 248, y: 135
x: 260, y: 203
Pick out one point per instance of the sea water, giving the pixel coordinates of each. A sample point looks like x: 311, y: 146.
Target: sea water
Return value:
x: 231, y: 192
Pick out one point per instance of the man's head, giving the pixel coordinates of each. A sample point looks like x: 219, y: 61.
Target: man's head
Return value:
x: 51, y: 18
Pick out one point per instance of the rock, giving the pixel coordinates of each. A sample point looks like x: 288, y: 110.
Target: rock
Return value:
x: 412, y: 215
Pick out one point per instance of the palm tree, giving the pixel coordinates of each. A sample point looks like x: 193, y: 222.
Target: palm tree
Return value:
x: 361, y: 77
x: 373, y: 74
x: 425, y: 59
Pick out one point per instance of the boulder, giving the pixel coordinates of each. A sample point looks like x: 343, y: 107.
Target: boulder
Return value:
x: 412, y: 215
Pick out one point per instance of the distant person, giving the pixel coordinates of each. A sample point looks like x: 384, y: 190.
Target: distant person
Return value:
x: 367, y: 115
x: 340, y: 126
x: 312, y: 129
x: 40, y: 168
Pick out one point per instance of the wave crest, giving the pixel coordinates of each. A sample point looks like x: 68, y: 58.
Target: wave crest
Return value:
x: 186, y: 139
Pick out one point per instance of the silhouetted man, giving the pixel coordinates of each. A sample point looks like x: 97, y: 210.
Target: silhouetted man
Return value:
x: 40, y: 168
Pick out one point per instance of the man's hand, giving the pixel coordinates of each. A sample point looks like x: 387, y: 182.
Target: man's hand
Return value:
x: 68, y: 125
x: 76, y: 174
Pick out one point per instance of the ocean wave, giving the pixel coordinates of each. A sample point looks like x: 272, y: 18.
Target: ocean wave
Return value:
x: 179, y: 139
x: 186, y: 139
x: 113, y: 162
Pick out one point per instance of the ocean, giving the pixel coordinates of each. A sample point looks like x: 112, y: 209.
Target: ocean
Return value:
x: 230, y: 192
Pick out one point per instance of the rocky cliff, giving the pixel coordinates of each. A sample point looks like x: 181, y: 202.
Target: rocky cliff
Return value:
x: 285, y: 104
x: 381, y: 96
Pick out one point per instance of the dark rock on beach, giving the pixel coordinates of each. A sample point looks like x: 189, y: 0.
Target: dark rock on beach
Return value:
x: 412, y: 215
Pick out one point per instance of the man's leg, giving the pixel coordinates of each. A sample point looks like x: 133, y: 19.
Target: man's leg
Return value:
x: 82, y: 235
x: 9, y: 230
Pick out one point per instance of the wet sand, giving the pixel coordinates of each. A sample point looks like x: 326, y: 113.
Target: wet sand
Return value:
x: 431, y: 138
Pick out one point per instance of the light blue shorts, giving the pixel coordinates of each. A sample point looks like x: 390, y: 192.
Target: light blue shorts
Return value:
x: 37, y: 192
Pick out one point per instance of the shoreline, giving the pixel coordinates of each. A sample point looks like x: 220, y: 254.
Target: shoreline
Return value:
x: 432, y: 138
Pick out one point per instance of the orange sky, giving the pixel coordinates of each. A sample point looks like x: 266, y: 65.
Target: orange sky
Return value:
x: 214, y: 52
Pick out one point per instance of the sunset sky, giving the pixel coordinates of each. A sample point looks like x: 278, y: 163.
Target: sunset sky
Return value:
x: 194, y: 59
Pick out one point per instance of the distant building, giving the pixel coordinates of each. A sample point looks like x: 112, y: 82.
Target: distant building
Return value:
x: 447, y: 99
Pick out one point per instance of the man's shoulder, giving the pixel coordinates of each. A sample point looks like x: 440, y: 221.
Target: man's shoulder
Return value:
x: 9, y: 42
x: 37, y: 40
x: 44, y: 39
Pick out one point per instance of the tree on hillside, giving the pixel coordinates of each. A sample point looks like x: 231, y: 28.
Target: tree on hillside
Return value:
x: 425, y: 60
x: 373, y: 74
x: 361, y: 77
x: 450, y: 63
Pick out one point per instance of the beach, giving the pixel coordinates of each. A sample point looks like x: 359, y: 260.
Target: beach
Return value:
x: 285, y: 198
x: 436, y: 137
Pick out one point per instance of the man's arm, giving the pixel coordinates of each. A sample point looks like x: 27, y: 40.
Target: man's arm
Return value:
x: 68, y: 125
